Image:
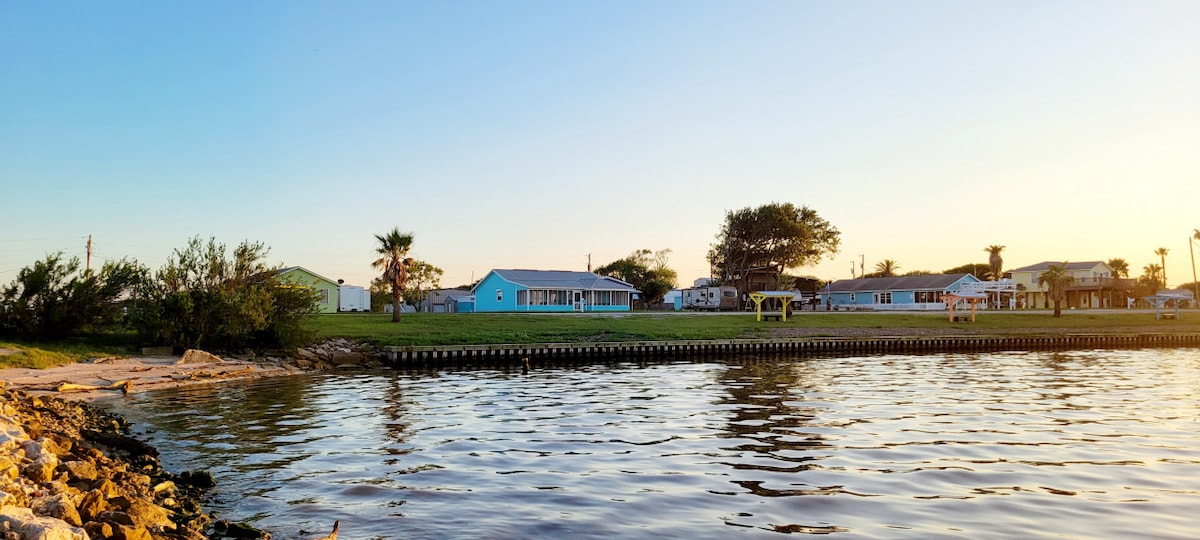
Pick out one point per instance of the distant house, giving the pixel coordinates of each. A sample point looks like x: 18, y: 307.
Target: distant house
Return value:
x: 896, y: 293
x: 460, y: 303
x: 326, y: 288
x: 436, y: 300
x: 1095, y: 285
x: 550, y: 291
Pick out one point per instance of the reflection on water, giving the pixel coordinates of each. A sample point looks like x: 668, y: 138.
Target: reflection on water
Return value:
x: 1076, y: 444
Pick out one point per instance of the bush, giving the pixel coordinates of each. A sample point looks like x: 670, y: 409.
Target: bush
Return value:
x: 52, y: 299
x: 201, y: 299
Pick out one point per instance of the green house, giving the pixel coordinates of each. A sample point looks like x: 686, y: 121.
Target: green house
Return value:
x: 325, y: 287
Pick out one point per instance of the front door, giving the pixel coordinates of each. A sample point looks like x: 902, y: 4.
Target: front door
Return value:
x: 578, y: 302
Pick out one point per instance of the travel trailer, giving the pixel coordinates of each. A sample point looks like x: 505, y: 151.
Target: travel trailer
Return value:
x: 351, y: 298
x: 710, y: 298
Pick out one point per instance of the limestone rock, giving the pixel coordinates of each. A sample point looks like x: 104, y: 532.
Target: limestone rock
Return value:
x: 81, y: 470
x: 197, y: 356
x: 145, y: 514
x: 31, y: 527
x: 57, y: 506
x: 124, y: 532
x: 99, y: 529
x: 42, y: 469
x: 8, y: 469
x: 92, y: 505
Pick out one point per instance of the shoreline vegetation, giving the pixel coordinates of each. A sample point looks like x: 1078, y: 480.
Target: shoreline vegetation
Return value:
x: 51, y: 482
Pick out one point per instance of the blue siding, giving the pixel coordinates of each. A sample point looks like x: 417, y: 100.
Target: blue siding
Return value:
x: 903, y: 297
x: 496, y: 294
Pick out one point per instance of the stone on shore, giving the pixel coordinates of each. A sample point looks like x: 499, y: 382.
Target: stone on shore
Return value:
x: 32, y: 527
x: 84, y: 477
x: 197, y: 356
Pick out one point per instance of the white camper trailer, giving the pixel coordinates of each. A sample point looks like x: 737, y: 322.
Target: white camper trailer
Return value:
x: 710, y: 298
x: 351, y: 298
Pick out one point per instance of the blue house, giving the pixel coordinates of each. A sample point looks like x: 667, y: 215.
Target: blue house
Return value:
x: 550, y: 291
x: 896, y: 293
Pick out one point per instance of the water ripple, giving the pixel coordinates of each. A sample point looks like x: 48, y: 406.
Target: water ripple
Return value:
x: 1031, y: 445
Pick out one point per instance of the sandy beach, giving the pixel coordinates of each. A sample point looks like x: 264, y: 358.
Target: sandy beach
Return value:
x: 88, y: 380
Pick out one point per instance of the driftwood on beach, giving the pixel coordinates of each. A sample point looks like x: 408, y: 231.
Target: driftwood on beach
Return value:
x: 123, y: 386
x: 126, y: 385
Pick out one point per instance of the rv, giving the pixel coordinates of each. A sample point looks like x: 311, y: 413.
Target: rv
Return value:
x: 710, y: 298
x: 351, y: 298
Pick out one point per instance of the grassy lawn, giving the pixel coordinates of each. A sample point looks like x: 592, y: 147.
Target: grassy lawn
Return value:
x: 47, y: 355
x: 508, y: 328
x: 487, y: 328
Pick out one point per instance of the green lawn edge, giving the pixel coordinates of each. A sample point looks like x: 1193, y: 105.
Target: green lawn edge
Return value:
x: 433, y: 329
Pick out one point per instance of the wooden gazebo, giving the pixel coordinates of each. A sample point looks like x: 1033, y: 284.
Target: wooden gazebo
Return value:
x: 972, y: 298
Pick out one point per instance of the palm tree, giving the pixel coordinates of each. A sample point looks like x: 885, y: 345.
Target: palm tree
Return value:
x: 394, y: 261
x: 1056, y: 278
x: 1162, y: 252
x: 887, y: 268
x: 1119, y: 267
x: 995, y: 262
x: 1152, y: 276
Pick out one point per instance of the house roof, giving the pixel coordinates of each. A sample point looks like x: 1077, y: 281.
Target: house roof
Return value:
x: 1045, y: 265
x: 283, y: 271
x: 562, y: 279
x: 927, y: 282
x: 439, y: 296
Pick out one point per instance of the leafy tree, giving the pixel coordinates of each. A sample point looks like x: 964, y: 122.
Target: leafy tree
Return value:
x: 770, y: 238
x: 381, y: 294
x: 422, y: 278
x: 975, y: 269
x: 202, y: 298
x: 1119, y: 266
x: 394, y: 262
x: 1162, y: 253
x: 53, y: 299
x: 918, y: 273
x: 646, y: 270
x: 1056, y: 278
x: 995, y: 261
x: 885, y: 268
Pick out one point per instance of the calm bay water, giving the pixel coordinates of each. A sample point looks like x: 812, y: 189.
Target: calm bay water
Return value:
x: 1100, y: 444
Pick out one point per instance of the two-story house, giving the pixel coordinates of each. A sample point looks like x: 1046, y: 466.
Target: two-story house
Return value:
x: 1094, y: 286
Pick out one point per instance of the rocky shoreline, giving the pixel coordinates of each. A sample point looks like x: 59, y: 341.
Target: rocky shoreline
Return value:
x: 69, y: 471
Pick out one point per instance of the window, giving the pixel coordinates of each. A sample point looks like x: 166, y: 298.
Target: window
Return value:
x: 883, y: 297
x: 499, y: 295
x: 324, y: 295
x: 549, y: 297
x: 522, y: 298
x: 927, y: 297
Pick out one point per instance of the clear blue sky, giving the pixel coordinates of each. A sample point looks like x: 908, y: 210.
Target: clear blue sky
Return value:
x: 531, y: 134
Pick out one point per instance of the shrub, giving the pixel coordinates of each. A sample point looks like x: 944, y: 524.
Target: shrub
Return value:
x: 201, y: 298
x: 52, y: 299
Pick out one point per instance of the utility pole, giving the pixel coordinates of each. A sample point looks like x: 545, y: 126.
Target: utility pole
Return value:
x: 89, y: 253
x: 589, y: 262
x: 1195, y: 287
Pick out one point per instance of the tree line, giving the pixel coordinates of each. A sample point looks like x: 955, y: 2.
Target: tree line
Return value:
x: 204, y: 296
